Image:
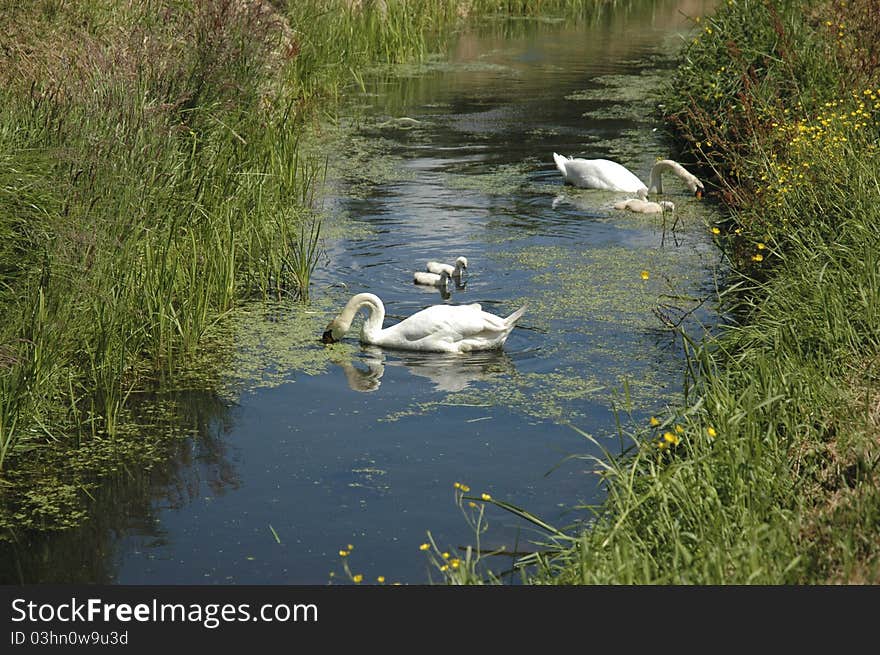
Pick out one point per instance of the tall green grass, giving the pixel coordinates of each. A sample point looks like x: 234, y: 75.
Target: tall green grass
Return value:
x: 149, y: 184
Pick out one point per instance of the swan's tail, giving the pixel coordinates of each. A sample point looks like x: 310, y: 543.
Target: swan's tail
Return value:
x: 560, y: 162
x: 511, y: 320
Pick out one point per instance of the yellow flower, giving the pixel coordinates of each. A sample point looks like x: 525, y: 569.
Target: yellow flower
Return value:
x: 679, y: 429
x: 471, y: 504
x: 654, y: 421
x: 486, y: 497
x: 445, y: 555
x: 760, y: 246
x: 455, y: 563
x: 444, y: 567
x: 662, y: 445
x: 716, y: 230
x: 343, y: 553
x: 350, y: 547
x: 424, y: 546
x: 380, y: 579
x: 457, y: 485
x: 358, y: 578
x: 645, y: 275
x: 674, y: 439
x: 758, y: 258
x: 464, y: 488
x: 711, y: 432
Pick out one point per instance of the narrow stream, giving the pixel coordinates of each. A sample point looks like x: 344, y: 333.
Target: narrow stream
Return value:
x: 309, y: 449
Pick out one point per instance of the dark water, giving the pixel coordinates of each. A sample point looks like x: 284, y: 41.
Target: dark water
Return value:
x: 310, y: 449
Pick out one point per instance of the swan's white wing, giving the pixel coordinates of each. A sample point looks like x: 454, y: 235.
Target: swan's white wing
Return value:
x: 446, y: 328
x: 437, y: 267
x: 599, y: 174
x: 603, y: 174
x: 423, y: 277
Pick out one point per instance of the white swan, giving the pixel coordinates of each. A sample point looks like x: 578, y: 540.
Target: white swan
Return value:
x: 455, y: 271
x: 439, y: 328
x: 645, y: 206
x: 611, y: 176
x: 431, y: 279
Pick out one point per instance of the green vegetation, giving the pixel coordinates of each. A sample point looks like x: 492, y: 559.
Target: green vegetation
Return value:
x: 768, y: 471
x: 148, y: 171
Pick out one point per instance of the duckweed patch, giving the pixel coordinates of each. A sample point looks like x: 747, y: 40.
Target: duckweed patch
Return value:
x: 370, y: 478
x: 604, y: 284
x: 504, y: 180
x: 363, y: 162
x: 600, y: 295
x: 52, y: 487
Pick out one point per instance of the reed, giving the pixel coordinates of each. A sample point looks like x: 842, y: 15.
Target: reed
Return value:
x: 150, y: 183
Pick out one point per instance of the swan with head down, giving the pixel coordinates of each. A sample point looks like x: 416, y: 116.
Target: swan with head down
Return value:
x: 461, y: 264
x: 432, y: 279
x: 439, y: 328
x: 645, y: 206
x: 611, y: 176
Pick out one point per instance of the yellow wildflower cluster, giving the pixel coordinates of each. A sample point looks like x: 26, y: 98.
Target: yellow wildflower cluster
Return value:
x: 668, y: 439
x: 673, y: 437
x: 450, y: 562
x: 808, y: 143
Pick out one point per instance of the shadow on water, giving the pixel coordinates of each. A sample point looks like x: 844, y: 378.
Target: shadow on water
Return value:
x: 328, y: 446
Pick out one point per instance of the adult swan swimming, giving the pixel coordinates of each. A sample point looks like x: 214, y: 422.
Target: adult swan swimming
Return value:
x: 611, y: 176
x: 439, y: 328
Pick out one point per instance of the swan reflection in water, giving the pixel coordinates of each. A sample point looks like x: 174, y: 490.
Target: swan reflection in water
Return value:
x: 448, y: 372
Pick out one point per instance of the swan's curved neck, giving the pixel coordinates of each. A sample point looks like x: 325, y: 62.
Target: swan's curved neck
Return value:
x: 656, y: 182
x: 667, y: 166
x: 375, y: 314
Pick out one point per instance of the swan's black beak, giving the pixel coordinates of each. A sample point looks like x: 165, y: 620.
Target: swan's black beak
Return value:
x: 327, y: 337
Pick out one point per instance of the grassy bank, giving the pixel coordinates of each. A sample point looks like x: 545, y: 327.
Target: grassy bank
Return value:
x: 768, y: 471
x: 148, y: 169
